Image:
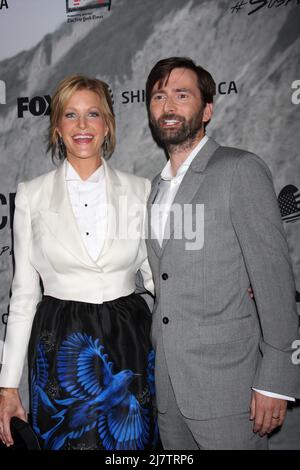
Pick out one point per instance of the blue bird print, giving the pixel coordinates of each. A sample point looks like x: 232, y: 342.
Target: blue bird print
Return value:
x: 39, y: 379
x: 151, y: 385
x: 103, y: 403
x: 112, y: 428
x: 150, y: 372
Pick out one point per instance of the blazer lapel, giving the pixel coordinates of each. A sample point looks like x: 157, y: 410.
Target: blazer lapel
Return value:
x: 115, y: 194
x: 191, y: 182
x: 61, y: 222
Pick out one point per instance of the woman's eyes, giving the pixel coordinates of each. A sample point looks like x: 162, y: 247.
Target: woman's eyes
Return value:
x: 72, y: 115
x: 94, y: 114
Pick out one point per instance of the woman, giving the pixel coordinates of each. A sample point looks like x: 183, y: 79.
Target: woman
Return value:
x: 78, y: 231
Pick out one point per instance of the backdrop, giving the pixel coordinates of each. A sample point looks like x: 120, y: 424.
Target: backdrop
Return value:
x: 251, y: 47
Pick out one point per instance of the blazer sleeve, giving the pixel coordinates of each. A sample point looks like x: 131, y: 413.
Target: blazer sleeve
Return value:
x: 257, y: 223
x: 144, y: 270
x: 26, y: 293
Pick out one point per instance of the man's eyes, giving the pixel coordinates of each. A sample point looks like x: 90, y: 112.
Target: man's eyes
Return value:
x: 182, y: 96
x: 177, y: 97
x: 158, y: 97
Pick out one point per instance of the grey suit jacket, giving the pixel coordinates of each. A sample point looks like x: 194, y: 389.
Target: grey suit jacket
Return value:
x: 212, y: 340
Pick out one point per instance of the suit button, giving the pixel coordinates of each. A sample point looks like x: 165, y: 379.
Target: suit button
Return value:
x: 165, y: 320
x: 164, y: 276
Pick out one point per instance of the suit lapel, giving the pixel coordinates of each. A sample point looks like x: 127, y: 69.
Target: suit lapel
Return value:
x: 151, y: 200
x: 60, y: 219
x: 191, y: 183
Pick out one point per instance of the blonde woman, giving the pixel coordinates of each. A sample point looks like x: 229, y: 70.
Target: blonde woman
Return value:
x: 73, y: 303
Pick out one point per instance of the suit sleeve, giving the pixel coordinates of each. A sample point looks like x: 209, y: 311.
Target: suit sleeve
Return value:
x: 257, y: 223
x: 144, y: 280
x: 26, y: 293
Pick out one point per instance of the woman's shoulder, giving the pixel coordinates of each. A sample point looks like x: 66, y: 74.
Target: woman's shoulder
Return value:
x: 131, y: 180
x: 38, y: 181
x: 136, y: 185
x: 131, y: 177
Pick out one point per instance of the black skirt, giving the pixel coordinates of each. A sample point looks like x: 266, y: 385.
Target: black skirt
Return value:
x: 91, y: 374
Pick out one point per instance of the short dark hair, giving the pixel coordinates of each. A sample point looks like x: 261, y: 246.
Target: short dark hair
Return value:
x: 161, y: 72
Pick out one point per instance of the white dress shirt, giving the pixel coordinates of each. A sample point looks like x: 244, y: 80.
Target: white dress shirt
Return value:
x: 88, y: 201
x: 168, y: 188
x: 167, y: 191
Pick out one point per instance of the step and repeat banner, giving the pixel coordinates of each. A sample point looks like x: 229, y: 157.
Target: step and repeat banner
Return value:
x: 251, y: 47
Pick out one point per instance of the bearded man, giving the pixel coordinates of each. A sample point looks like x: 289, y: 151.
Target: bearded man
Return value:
x: 224, y: 369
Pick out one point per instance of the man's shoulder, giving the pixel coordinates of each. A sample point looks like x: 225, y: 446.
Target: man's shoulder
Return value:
x: 233, y: 153
x: 239, y: 158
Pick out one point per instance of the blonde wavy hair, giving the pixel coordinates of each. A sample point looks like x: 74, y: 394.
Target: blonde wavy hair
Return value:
x: 63, y: 92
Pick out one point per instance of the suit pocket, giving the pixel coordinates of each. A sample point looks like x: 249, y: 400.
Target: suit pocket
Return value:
x: 225, y: 332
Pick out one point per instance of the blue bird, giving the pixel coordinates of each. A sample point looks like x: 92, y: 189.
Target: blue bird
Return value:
x: 124, y: 428
x: 105, y: 404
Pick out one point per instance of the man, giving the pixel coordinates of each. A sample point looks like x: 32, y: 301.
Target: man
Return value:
x: 219, y: 353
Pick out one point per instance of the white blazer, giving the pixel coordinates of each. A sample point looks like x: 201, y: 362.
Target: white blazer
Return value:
x: 48, y: 248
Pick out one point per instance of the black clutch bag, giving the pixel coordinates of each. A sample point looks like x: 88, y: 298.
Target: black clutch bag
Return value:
x: 23, y: 436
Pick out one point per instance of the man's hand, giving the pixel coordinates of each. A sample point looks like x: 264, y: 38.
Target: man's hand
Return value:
x: 268, y: 413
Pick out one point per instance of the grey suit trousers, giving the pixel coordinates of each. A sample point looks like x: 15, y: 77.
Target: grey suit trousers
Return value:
x: 227, y: 433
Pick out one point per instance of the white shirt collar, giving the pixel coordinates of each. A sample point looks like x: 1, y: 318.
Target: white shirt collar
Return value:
x: 166, y: 173
x: 72, y: 175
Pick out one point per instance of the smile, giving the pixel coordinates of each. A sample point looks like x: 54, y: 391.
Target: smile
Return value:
x: 170, y: 122
x: 83, y: 138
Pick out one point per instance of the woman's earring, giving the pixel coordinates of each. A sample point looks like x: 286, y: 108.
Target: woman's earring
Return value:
x: 61, y: 149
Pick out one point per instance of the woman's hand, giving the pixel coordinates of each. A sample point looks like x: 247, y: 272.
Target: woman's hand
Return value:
x: 10, y: 405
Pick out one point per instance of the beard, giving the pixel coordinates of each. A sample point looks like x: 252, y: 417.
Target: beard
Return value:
x: 184, y: 134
